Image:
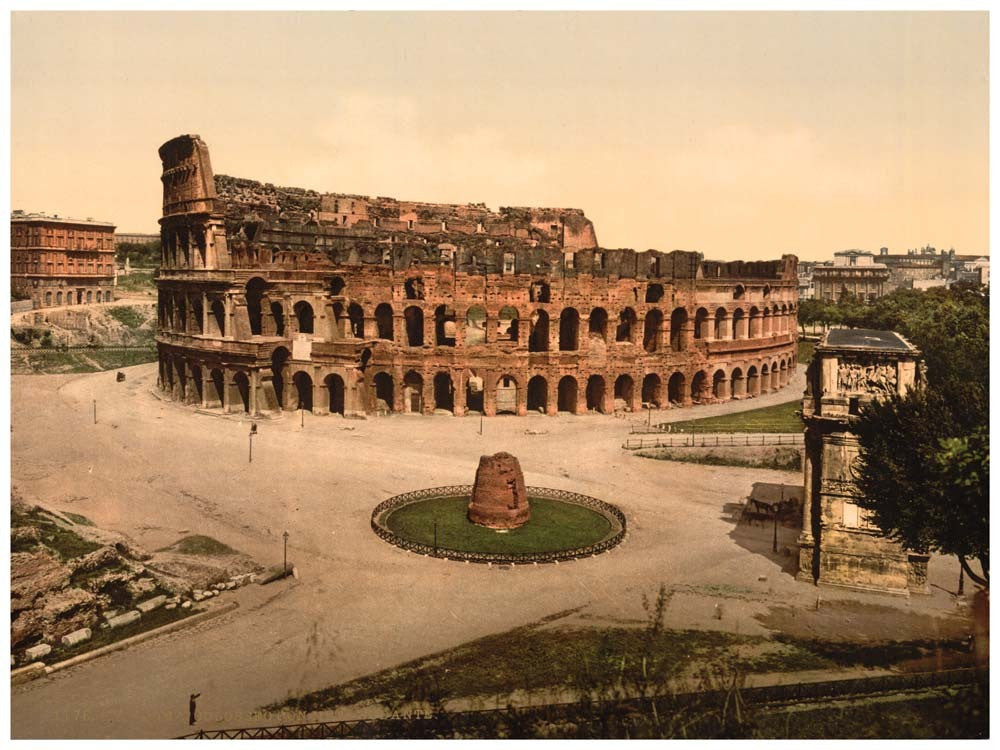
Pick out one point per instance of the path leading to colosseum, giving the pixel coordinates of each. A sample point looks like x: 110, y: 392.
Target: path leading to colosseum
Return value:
x: 156, y: 471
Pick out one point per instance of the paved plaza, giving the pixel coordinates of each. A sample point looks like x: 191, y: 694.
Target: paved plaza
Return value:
x: 157, y: 471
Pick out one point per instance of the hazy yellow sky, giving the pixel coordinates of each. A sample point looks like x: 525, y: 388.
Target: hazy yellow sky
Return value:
x: 743, y: 135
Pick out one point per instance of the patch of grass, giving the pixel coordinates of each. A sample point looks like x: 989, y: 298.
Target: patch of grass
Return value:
x: 530, y: 659
x: 805, y: 352
x: 90, y: 360
x: 786, y: 459
x: 553, y: 526
x: 78, y: 519
x: 777, y: 418
x: 63, y: 542
x: 199, y: 545
x: 128, y: 316
x: 956, y: 713
x: 870, y: 655
x: 103, y: 637
x: 137, y: 281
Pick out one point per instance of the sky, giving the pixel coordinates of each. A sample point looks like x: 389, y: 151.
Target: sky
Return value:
x: 740, y: 135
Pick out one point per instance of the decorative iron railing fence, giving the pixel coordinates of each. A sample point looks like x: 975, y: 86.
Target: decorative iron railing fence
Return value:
x: 709, y: 441
x: 490, y: 723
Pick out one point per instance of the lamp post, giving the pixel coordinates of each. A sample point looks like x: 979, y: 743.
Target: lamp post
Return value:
x: 284, y: 566
x: 253, y: 431
x: 95, y: 411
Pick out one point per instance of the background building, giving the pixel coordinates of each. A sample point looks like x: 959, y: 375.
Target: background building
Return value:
x: 852, y: 272
x: 60, y: 261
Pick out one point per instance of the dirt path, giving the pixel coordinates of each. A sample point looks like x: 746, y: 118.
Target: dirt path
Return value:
x: 157, y: 471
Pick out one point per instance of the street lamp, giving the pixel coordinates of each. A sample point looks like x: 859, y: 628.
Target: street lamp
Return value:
x: 777, y: 509
x: 253, y: 431
x: 284, y: 566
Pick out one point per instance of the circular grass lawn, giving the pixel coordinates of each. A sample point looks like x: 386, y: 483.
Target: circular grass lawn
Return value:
x: 554, y: 526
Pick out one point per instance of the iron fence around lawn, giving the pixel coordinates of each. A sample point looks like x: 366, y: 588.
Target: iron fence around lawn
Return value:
x: 511, y: 721
x: 609, y: 511
x: 730, y: 440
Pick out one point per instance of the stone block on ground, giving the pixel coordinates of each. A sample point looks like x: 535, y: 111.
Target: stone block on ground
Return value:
x: 150, y: 604
x: 37, y: 652
x: 77, y: 636
x: 124, y: 619
x: 186, y: 605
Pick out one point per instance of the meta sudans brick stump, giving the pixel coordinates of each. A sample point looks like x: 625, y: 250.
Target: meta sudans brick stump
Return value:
x: 499, y: 500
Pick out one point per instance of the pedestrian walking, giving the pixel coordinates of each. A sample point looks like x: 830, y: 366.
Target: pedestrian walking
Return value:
x: 192, y: 706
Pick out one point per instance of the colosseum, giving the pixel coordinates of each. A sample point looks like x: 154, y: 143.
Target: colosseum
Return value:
x: 276, y: 299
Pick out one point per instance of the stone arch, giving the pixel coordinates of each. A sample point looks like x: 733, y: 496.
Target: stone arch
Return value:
x: 58, y: 298
x: 506, y: 395
x: 737, y: 383
x: 569, y: 330
x: 444, y: 392
x: 304, y: 316
x: 199, y: 386
x: 356, y: 316
x: 651, y: 330
x: 303, y: 383
x: 739, y: 291
x: 384, y: 321
x: 90, y: 296
x: 217, y: 386
x: 507, y: 324
x: 278, y: 313
x: 595, y: 393
x: 652, y: 390
x: 474, y: 392
x: 775, y: 383
x: 335, y: 393
x: 765, y: 378
x: 279, y: 358
x: 765, y: 323
x: 700, y: 386
x: 444, y: 326
x: 48, y: 299
x: 337, y: 285
x: 753, y: 381
x: 413, y: 316
x: 107, y: 296
x: 624, y: 389
x: 719, y: 386
x: 384, y: 389
x: 181, y: 313
x: 538, y: 341
x: 675, y: 388
x: 627, y: 321
x: 475, y: 326
x: 678, y: 321
x: 701, y: 323
x: 538, y: 394
x: 753, y: 320
x: 597, y: 327
x: 721, y: 324
x: 654, y: 292
x: 253, y: 293
x: 242, y: 383
x: 567, y: 394
x: 739, y: 324
x: 413, y: 392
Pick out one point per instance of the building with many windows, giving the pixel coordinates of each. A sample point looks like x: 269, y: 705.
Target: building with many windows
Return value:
x: 852, y: 272
x: 59, y: 261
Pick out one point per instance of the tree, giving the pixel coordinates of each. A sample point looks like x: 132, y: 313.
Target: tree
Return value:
x: 923, y: 471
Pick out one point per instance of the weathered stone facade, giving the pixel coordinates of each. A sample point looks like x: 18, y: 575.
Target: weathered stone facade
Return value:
x: 838, y: 546
x: 499, y: 499
x: 274, y: 298
x: 59, y: 261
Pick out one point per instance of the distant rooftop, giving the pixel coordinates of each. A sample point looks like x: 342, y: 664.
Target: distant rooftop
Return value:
x: 865, y: 338
x: 38, y: 216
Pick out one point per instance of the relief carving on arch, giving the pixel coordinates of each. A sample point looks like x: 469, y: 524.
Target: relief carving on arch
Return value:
x: 854, y: 377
